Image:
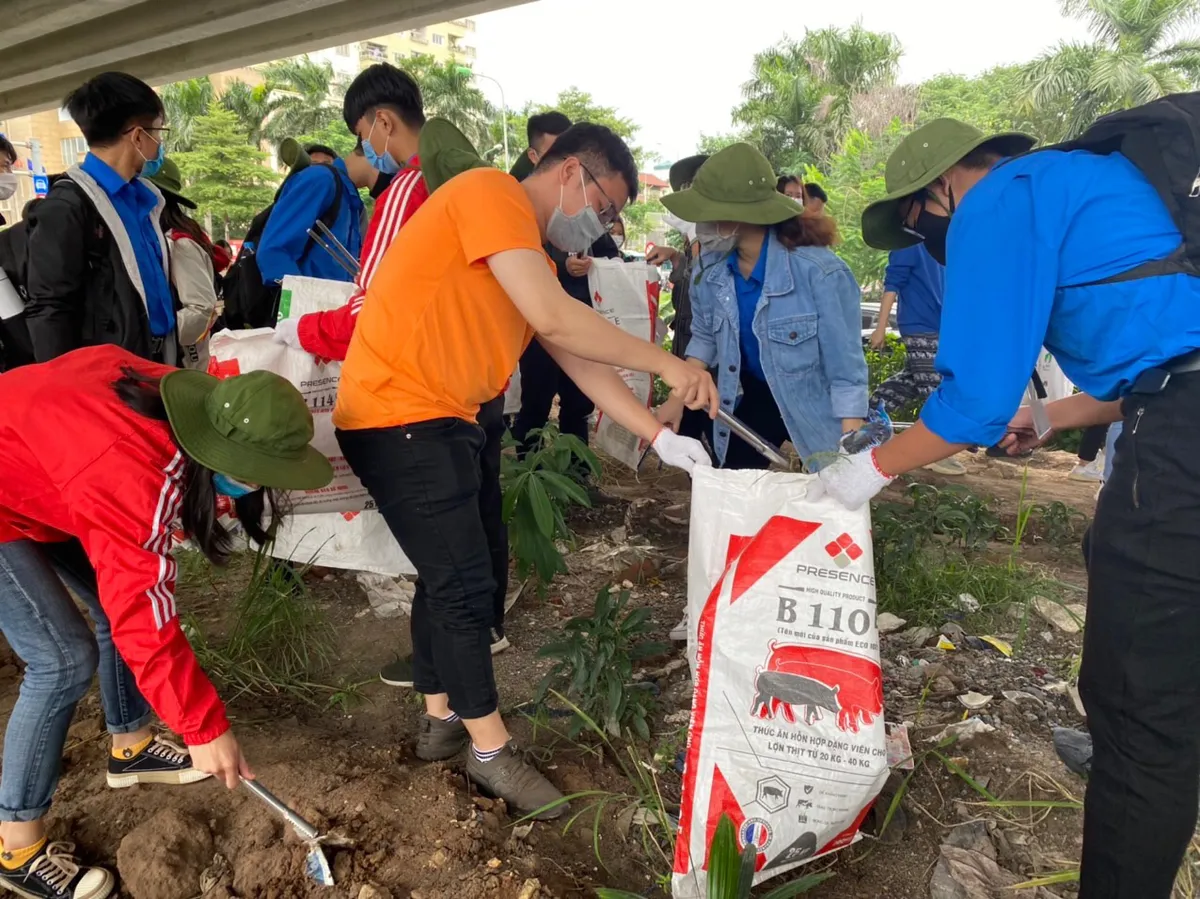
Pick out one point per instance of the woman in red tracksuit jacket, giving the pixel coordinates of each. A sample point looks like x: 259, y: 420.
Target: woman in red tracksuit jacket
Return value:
x: 103, y: 457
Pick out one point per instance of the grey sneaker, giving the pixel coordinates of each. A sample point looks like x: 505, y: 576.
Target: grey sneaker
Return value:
x: 440, y: 740
x: 519, y: 784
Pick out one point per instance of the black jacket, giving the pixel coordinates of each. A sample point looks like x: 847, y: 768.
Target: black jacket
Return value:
x: 82, y: 282
x: 604, y: 248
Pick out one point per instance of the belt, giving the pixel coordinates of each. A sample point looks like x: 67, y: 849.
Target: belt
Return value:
x: 1181, y: 365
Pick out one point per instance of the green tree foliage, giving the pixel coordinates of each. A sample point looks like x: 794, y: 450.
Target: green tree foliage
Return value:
x: 1137, y: 56
x: 334, y: 135
x: 302, y: 96
x: 251, y: 105
x: 578, y: 106
x: 224, y: 174
x: 801, y: 97
x: 853, y: 178
x: 449, y: 90
x: 184, y: 102
x: 713, y: 143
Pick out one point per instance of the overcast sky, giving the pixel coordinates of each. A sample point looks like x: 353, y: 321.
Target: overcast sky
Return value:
x: 682, y: 73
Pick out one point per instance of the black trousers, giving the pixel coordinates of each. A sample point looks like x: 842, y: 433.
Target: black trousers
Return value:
x: 541, y: 381
x: 1139, y: 678
x: 427, y: 480
x: 757, y: 410
x: 1091, y: 442
x: 491, y: 501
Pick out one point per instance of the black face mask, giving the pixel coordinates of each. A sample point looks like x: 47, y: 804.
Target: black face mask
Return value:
x: 381, y: 183
x: 934, y: 229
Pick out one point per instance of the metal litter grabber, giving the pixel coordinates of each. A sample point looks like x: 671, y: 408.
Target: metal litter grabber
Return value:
x: 762, y: 446
x: 316, y: 866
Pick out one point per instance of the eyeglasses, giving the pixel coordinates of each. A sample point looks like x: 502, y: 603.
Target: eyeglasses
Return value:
x: 609, y: 213
x: 163, y: 133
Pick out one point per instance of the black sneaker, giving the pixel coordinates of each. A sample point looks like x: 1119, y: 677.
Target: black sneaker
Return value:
x: 440, y: 740
x: 55, y: 873
x: 398, y: 673
x: 499, y: 641
x: 522, y: 787
x: 159, y: 763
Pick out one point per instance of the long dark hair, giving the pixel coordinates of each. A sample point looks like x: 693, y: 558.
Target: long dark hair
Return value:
x: 173, y: 218
x: 199, y: 510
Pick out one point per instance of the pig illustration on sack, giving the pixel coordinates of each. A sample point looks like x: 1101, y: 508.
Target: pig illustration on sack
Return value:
x: 793, y: 691
x: 811, y: 678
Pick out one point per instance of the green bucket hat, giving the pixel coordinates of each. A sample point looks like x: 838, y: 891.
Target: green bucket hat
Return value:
x: 444, y: 152
x: 735, y: 185
x: 254, y: 427
x: 684, y: 170
x: 169, y: 181
x: 922, y: 158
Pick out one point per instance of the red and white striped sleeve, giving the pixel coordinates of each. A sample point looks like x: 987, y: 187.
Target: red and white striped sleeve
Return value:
x: 126, y: 507
x: 327, y: 334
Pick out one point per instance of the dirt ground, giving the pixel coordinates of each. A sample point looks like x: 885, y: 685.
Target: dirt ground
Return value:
x: 412, y: 829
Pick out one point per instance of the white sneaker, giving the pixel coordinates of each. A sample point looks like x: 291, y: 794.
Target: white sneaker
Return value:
x: 1091, y: 471
x: 679, y: 633
x: 949, y: 467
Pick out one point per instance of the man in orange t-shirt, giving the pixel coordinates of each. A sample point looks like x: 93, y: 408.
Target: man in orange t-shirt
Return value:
x: 447, y: 316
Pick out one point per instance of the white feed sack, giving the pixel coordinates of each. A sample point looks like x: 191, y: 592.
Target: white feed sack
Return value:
x: 335, y: 526
x: 625, y: 293
x: 787, y: 733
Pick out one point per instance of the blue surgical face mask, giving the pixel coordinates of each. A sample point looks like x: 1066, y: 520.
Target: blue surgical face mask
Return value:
x: 151, y: 166
x: 385, y: 163
x: 229, y: 487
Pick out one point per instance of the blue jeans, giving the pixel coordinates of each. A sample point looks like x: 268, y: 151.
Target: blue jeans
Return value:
x: 45, y: 627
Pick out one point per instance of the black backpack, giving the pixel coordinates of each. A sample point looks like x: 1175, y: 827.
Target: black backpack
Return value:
x: 248, y: 302
x: 1162, y: 138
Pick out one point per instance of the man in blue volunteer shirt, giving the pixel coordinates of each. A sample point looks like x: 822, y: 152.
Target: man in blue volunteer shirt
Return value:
x: 1025, y: 241
x: 918, y: 281
x: 97, y: 258
x: 314, y: 192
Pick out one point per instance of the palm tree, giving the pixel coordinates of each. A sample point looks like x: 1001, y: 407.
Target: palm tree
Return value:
x: 184, y: 102
x: 1140, y: 53
x: 448, y: 91
x: 303, y: 97
x: 802, y: 97
x: 252, y: 106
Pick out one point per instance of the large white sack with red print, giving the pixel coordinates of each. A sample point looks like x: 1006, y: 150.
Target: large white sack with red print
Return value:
x: 335, y: 526
x: 787, y: 733
x: 625, y: 293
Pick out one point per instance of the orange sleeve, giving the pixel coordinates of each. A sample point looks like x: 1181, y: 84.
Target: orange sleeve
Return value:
x: 491, y: 214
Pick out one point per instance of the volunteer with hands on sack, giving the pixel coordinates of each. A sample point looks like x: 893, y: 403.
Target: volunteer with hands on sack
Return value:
x: 774, y: 310
x: 1029, y: 245
x: 105, y: 456
x: 455, y: 302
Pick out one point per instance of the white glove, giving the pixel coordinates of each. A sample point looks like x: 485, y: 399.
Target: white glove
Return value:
x: 851, y: 480
x: 681, y: 452
x: 287, y: 332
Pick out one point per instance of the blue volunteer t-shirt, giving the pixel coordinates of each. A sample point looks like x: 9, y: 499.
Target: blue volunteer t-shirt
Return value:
x: 749, y: 290
x: 136, y: 206
x: 918, y: 280
x: 1034, y: 226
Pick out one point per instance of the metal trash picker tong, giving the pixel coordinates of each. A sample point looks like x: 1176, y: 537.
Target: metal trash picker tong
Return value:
x: 325, y: 239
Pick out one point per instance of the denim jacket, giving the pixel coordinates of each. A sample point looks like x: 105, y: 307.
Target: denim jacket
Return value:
x: 809, y: 328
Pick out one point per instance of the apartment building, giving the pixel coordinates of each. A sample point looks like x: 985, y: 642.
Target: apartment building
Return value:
x: 446, y: 41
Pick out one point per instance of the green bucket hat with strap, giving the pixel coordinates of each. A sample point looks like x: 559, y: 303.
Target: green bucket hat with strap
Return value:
x: 254, y: 427
x: 444, y: 152
x: 922, y: 158
x: 735, y: 185
x: 170, y: 182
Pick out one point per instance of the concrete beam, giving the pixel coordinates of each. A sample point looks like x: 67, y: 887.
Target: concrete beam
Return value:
x: 136, y: 31
x: 25, y: 20
x: 312, y: 25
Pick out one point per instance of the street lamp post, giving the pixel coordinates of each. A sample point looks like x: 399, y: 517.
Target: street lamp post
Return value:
x: 468, y: 71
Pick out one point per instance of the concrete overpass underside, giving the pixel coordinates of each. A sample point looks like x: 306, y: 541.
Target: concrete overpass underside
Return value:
x: 47, y: 47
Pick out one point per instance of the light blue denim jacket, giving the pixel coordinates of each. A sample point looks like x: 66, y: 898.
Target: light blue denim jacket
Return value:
x: 809, y: 328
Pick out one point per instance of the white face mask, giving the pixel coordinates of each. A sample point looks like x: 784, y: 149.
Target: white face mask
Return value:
x: 8, y: 184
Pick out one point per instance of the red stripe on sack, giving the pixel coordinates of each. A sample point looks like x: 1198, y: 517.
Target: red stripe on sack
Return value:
x: 778, y: 537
